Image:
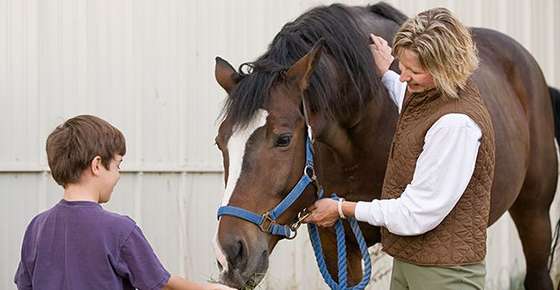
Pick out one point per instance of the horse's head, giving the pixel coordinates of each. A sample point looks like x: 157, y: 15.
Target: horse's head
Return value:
x: 264, y: 156
x: 317, y: 73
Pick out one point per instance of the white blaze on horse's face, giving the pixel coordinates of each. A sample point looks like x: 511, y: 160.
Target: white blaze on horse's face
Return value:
x: 236, y: 147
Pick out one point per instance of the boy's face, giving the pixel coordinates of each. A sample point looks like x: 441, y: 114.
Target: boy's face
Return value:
x: 109, y: 178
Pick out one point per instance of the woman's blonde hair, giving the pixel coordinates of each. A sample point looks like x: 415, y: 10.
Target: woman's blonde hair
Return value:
x: 444, y: 46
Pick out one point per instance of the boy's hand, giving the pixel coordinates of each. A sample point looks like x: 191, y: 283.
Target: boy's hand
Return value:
x: 213, y: 286
x: 179, y: 283
x: 381, y: 53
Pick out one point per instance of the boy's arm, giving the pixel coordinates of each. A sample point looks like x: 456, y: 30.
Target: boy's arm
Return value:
x: 178, y: 283
x: 140, y: 264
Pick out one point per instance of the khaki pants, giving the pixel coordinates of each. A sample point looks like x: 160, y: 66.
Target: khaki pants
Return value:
x: 408, y: 276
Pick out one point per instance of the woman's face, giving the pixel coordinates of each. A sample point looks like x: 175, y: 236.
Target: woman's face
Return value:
x: 417, y: 77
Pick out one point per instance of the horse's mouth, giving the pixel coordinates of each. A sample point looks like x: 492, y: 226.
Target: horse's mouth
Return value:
x: 242, y: 283
x: 254, y: 281
x: 248, y: 279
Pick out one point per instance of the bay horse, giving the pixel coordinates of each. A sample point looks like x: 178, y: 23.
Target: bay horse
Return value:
x: 333, y: 91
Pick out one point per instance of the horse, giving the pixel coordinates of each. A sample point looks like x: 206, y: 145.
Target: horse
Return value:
x: 318, y: 78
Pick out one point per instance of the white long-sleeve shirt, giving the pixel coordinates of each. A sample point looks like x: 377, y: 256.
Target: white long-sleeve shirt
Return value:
x: 442, y: 173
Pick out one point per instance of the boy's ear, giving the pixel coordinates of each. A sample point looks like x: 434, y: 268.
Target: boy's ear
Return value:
x: 95, y: 165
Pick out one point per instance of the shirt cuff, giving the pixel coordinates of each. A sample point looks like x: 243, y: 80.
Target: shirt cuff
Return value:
x: 163, y: 282
x: 369, y: 212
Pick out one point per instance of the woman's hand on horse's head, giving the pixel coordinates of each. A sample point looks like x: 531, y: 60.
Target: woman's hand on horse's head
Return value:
x: 324, y: 213
x: 381, y: 53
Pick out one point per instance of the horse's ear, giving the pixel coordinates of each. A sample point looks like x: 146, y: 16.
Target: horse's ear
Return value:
x: 225, y: 74
x: 300, y: 72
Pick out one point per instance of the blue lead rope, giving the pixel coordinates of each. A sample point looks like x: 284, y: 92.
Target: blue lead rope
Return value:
x: 341, y: 249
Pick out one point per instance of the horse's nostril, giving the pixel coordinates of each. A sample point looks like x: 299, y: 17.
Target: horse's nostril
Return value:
x: 236, y: 253
x: 220, y: 267
x: 240, y: 253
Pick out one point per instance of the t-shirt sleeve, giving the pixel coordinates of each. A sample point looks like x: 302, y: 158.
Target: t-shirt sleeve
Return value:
x: 22, y: 278
x: 139, y: 264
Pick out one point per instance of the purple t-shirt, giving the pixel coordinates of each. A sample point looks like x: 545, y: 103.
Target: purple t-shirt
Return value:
x: 77, y: 245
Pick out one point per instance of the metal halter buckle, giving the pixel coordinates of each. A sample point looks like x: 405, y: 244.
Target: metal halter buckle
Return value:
x: 295, y: 226
x: 309, y: 171
x: 292, y: 235
x: 267, y: 222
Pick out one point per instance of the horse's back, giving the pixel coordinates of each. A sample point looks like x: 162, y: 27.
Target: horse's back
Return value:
x: 515, y: 92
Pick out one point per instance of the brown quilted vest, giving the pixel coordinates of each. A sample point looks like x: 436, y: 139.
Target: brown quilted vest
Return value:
x: 461, y: 236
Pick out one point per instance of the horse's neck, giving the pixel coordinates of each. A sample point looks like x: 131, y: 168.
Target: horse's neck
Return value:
x: 356, y: 171
x: 352, y: 161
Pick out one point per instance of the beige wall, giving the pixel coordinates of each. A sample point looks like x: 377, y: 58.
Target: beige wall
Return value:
x: 147, y: 67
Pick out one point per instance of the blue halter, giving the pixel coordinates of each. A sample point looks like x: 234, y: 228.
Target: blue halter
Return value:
x: 267, y: 221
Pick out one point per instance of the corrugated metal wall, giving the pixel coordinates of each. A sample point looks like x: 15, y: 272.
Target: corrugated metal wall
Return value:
x: 147, y: 67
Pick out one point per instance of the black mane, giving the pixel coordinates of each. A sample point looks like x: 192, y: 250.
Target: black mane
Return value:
x: 387, y: 11
x: 345, y: 43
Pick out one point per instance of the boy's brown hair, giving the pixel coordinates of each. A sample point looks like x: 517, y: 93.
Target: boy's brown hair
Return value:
x: 73, y: 145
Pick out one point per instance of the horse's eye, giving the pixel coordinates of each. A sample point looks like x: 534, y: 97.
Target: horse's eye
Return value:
x: 283, y: 140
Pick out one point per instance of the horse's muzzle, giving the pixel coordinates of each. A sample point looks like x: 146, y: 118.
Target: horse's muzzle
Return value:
x: 245, y: 272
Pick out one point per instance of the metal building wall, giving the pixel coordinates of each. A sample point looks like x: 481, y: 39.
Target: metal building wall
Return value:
x: 147, y: 67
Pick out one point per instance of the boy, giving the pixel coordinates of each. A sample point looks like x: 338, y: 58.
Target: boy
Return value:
x: 77, y: 245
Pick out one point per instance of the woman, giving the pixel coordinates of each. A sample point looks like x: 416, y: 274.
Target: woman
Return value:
x: 435, y: 201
